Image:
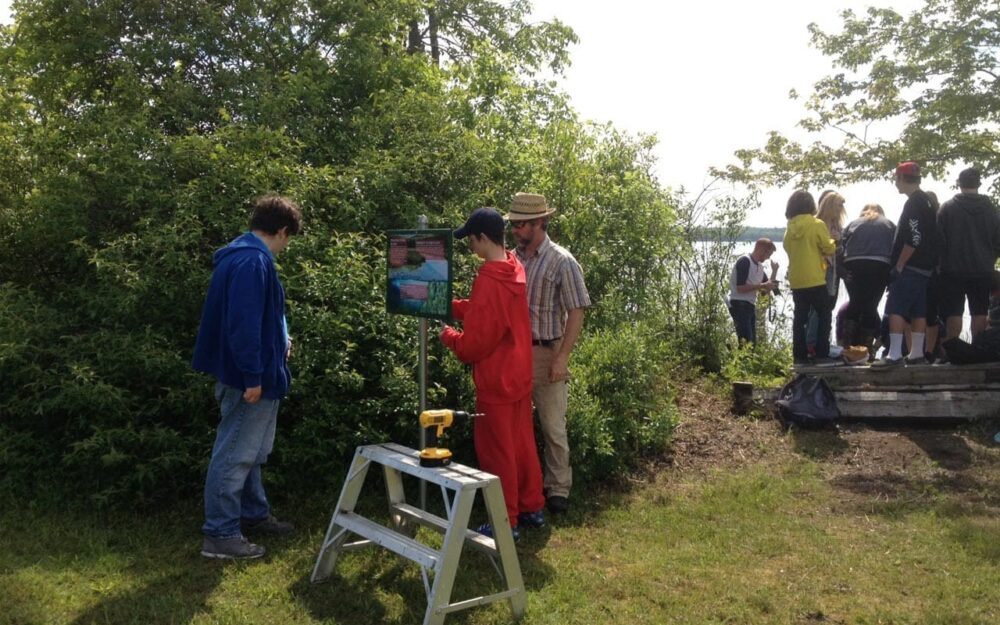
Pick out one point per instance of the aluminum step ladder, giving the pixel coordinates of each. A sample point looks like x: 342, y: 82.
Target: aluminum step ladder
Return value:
x: 459, y: 485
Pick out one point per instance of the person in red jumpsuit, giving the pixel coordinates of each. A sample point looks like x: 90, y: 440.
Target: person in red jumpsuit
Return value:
x: 496, y: 341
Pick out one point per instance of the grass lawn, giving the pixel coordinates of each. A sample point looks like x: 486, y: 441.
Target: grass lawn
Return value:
x: 747, y: 525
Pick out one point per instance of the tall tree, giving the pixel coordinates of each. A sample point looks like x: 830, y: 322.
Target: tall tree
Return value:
x: 935, y: 74
x: 132, y: 134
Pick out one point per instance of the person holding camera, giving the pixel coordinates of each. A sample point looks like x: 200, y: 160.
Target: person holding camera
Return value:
x: 747, y: 278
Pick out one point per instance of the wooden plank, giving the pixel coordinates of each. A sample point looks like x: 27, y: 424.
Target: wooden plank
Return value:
x: 923, y: 410
x: 923, y: 388
x: 966, y: 375
x: 898, y: 404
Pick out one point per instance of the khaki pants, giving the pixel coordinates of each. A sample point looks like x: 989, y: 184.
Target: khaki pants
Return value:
x: 550, y: 400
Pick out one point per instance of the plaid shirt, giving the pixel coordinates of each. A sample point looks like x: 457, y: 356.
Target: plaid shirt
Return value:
x: 555, y: 286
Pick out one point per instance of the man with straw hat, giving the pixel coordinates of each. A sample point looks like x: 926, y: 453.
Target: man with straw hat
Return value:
x: 557, y: 296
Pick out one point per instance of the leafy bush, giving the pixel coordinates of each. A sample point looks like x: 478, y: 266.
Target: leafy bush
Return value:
x: 133, y: 143
x: 620, y: 406
x: 765, y: 365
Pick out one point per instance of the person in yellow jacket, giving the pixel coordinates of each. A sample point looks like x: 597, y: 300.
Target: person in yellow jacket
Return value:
x: 807, y: 241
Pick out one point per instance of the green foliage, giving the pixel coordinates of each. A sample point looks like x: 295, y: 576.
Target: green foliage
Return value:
x: 620, y: 406
x: 765, y: 364
x: 699, y: 325
x: 134, y: 135
x: 933, y: 71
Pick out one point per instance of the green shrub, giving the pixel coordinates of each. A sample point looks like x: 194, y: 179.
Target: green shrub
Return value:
x: 765, y: 365
x: 135, y: 148
x: 621, y: 407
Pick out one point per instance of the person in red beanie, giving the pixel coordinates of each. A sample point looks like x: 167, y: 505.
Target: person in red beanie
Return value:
x: 496, y: 341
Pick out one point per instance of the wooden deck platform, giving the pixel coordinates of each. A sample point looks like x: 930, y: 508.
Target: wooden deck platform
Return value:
x: 928, y: 391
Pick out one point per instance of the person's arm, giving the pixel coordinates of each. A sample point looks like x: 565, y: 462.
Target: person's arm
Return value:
x: 904, y: 257
x: 827, y: 246
x: 743, y: 275
x: 574, y: 297
x: 914, y: 236
x: 458, y: 308
x: 560, y: 362
x: 483, y: 328
x: 942, y: 233
x: 244, y: 321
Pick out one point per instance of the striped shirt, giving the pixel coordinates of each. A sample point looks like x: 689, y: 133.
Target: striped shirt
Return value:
x: 555, y: 286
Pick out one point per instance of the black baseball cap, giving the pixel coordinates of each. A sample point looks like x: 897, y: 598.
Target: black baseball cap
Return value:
x: 482, y: 221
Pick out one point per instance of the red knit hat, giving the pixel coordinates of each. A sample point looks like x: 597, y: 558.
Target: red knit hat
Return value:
x: 908, y: 168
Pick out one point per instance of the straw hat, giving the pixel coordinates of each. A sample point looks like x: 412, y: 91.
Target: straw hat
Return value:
x: 528, y: 206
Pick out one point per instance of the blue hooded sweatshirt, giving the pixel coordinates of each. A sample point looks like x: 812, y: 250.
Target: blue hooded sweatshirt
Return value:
x: 243, y: 337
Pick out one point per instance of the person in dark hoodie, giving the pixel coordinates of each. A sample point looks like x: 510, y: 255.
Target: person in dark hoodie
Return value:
x: 969, y: 232
x: 985, y: 346
x: 867, y: 244
x: 496, y: 341
x: 914, y: 258
x: 243, y: 342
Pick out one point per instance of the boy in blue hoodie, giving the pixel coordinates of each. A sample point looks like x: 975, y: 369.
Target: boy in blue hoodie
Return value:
x: 243, y: 342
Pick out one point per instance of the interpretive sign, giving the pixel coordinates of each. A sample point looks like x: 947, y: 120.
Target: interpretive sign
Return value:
x: 419, y: 273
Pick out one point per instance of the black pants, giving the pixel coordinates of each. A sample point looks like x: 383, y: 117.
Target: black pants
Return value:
x: 985, y: 347
x: 814, y: 298
x: 744, y: 316
x: 865, y: 288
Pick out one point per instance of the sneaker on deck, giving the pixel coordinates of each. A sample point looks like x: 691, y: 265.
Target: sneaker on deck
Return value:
x: 234, y: 548
x: 268, y: 525
x: 920, y: 360
x: 884, y: 363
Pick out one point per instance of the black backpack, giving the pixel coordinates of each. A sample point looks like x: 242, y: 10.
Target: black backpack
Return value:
x: 807, y: 401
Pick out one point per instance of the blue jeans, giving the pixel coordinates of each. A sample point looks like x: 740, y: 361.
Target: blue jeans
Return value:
x: 233, y: 486
x: 744, y: 316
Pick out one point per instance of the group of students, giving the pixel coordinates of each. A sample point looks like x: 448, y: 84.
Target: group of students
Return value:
x: 937, y: 258
x: 520, y: 323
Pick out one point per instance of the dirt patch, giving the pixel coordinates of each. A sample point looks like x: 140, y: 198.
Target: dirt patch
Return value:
x: 866, y: 463
x: 709, y: 435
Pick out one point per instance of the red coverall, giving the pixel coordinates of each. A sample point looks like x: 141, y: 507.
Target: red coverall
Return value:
x: 497, y: 343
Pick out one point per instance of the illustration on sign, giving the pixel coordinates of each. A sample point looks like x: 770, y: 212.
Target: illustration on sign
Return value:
x: 419, y: 273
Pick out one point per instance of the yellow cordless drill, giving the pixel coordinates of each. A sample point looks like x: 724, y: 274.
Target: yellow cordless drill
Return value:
x: 434, y: 423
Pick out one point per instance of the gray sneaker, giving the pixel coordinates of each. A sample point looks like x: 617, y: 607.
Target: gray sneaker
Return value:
x: 883, y: 363
x: 235, y: 548
x: 270, y: 525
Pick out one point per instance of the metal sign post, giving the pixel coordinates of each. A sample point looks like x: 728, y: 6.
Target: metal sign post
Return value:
x: 419, y: 283
x: 422, y: 376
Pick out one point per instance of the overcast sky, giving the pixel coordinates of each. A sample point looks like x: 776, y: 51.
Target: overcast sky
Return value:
x: 708, y: 77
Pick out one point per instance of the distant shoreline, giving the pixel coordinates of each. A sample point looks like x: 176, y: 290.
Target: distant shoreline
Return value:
x: 747, y: 235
